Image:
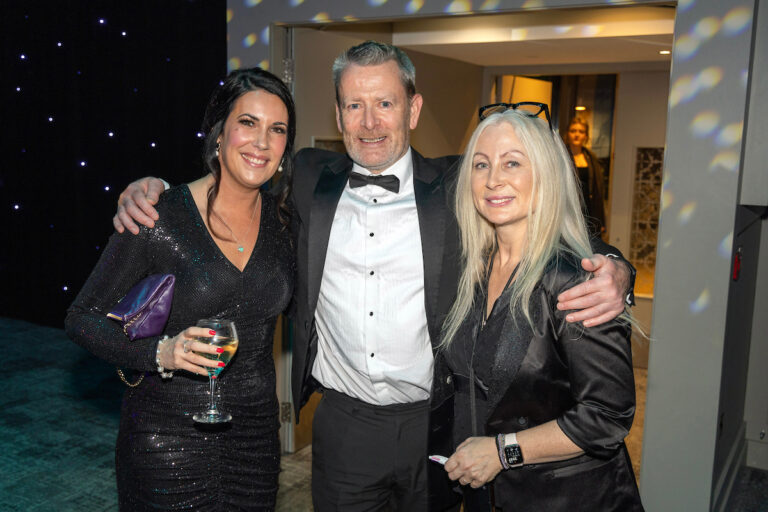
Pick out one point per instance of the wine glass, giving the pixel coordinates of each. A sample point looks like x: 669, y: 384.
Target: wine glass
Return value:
x: 225, y: 338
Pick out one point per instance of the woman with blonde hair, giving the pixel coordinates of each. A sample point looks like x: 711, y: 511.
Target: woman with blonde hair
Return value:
x: 542, y: 406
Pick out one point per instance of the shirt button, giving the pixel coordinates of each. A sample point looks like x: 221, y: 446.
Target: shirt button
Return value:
x: 371, y: 272
x: 448, y: 379
x: 375, y: 201
x: 371, y: 354
x: 370, y: 314
x: 370, y: 234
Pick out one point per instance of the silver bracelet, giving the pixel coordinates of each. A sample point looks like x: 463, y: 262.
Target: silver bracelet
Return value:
x: 163, y: 374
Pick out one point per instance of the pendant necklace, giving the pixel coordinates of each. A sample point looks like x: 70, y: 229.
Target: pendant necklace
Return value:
x: 240, y: 247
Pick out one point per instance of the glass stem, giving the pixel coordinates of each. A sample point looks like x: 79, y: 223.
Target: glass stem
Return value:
x: 212, y: 382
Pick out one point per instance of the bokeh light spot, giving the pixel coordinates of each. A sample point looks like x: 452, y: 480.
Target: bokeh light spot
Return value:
x: 296, y: 3
x: 729, y: 135
x: 264, y: 65
x: 458, y: 6
x: 376, y: 3
x: 265, y: 35
x: 667, y: 197
x: 686, y: 212
x: 233, y: 64
x: 682, y: 90
x: 725, y: 246
x: 706, y: 28
x: 321, y: 17
x: 705, y: 123
x: 250, y: 40
x: 414, y: 6
x: 252, y: 3
x: 726, y: 160
x: 737, y: 20
x: 230, y: 15
x: 701, y: 303
x: 533, y: 4
x: 708, y: 78
x: 489, y: 5
x: 349, y: 17
x: 686, y: 46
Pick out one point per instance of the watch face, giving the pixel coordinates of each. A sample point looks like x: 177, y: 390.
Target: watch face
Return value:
x: 513, y: 454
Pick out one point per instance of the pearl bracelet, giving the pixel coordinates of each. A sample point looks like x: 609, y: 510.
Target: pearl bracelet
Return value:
x: 163, y: 374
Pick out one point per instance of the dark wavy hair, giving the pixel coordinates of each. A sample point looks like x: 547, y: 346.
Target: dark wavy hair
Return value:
x: 219, y: 107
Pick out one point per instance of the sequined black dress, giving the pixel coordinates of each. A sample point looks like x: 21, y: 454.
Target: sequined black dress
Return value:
x: 164, y: 461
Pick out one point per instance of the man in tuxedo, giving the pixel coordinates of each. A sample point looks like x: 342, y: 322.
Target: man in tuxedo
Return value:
x: 378, y: 260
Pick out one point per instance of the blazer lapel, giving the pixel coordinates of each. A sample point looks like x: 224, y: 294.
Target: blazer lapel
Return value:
x: 328, y: 191
x: 431, y: 208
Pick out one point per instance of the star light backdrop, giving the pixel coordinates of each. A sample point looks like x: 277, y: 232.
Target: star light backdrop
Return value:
x: 94, y: 94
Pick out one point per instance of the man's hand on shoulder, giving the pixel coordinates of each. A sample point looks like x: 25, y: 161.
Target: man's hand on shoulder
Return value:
x: 601, y: 298
x: 137, y: 204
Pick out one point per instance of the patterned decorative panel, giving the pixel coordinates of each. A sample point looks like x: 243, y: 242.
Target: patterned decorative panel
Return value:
x: 645, y: 206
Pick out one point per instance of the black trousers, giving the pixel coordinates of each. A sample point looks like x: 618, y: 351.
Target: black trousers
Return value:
x: 367, y: 457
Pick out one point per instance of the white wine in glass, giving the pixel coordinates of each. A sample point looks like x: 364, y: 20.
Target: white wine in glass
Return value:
x: 225, y: 338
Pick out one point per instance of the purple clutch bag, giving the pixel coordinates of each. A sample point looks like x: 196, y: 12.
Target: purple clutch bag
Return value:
x: 145, y: 308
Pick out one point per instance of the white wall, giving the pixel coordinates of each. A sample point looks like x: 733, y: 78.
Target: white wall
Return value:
x: 641, y: 121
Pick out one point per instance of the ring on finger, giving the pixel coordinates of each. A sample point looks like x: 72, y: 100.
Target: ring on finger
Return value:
x: 186, y: 346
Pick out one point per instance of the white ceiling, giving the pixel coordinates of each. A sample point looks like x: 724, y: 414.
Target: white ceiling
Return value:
x: 605, y: 35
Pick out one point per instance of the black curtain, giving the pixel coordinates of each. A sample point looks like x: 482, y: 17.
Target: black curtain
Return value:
x: 94, y: 95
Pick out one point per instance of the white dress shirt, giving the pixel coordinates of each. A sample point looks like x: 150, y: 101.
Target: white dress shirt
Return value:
x: 373, y: 342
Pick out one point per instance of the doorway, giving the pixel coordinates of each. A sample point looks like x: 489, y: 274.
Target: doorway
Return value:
x: 457, y: 73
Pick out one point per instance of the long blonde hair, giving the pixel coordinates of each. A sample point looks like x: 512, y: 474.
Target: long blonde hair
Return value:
x: 555, y: 226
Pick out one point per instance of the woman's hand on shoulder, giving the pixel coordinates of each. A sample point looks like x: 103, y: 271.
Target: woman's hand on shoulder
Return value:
x: 475, y: 462
x: 182, y: 352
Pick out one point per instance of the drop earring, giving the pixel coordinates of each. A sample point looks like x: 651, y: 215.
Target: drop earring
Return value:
x: 280, y: 167
x: 218, y: 146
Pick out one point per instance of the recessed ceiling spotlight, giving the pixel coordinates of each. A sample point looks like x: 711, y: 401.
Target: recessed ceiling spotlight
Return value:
x: 664, y: 52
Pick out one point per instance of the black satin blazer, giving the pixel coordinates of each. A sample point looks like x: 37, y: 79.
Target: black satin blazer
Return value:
x: 580, y: 377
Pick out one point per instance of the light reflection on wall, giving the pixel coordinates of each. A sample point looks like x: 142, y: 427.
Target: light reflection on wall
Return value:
x: 705, y: 124
x: 489, y: 5
x: 724, y: 249
x: 458, y: 7
x: 701, y: 303
x: 414, y: 6
x: 726, y: 160
x: 686, y: 212
x: 250, y: 40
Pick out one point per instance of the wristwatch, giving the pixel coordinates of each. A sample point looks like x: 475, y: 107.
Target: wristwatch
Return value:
x: 512, y: 452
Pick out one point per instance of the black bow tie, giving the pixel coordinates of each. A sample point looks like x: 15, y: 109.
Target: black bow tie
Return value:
x: 387, y: 182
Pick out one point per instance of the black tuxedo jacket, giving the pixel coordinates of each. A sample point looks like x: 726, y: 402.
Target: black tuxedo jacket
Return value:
x: 319, y: 180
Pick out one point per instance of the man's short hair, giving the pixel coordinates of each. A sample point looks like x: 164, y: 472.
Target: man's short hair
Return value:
x: 373, y: 53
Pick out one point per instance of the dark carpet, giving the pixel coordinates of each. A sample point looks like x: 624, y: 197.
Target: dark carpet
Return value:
x: 59, y: 420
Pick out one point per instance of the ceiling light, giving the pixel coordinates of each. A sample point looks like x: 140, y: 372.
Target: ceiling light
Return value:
x: 664, y: 52
x: 581, y: 108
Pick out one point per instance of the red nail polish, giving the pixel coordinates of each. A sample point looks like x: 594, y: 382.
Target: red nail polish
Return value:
x: 213, y: 376
x: 212, y: 332
x: 219, y: 350
x: 221, y: 365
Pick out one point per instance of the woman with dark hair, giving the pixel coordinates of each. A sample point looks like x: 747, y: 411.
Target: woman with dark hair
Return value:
x: 589, y: 173
x: 227, y: 243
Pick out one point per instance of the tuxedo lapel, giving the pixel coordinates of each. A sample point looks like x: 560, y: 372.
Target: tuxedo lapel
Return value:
x: 431, y: 208
x: 328, y: 191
